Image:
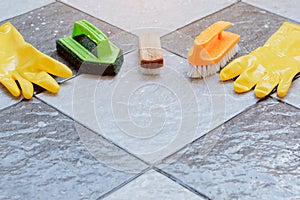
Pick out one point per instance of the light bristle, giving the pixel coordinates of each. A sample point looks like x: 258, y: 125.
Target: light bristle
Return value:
x: 149, y: 71
x: 208, y: 70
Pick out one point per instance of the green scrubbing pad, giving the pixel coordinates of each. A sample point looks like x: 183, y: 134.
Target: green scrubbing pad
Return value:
x: 90, y: 50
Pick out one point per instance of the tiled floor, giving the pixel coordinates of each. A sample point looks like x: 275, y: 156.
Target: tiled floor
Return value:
x: 87, y: 97
x: 140, y: 16
x: 253, y: 156
x: 153, y: 185
x: 153, y: 137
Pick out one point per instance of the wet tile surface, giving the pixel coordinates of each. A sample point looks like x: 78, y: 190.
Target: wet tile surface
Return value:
x: 44, y: 155
x: 253, y: 156
x: 150, y: 116
x: 42, y: 27
x: 12, y: 8
x: 293, y: 95
x: 254, y: 26
x: 153, y: 185
x: 288, y: 9
x: 140, y: 16
x: 47, y: 155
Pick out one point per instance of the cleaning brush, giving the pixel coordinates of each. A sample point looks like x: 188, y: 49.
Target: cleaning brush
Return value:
x: 212, y: 49
x: 90, y: 50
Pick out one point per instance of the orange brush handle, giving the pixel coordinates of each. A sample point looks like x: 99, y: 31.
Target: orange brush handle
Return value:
x: 212, y: 44
x: 211, y: 32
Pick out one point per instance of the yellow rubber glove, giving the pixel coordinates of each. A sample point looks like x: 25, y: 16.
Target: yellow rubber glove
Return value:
x: 275, y: 63
x: 20, y: 61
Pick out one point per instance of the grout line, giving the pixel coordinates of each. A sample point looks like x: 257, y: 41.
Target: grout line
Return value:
x: 178, y: 181
x: 202, y: 136
x: 70, y: 6
x: 286, y: 103
x: 5, y: 108
x: 137, y: 35
x: 177, y: 54
x: 202, y: 18
x: 103, y: 137
x: 238, y: 2
x: 33, y: 10
x: 41, y: 90
x: 269, y: 11
x: 124, y: 183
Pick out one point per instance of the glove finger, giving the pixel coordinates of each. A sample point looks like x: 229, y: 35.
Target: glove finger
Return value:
x: 265, y: 86
x: 234, y: 68
x: 26, y: 86
x: 54, y: 67
x: 11, y: 86
x: 248, y: 79
x: 44, y: 80
x: 285, y: 83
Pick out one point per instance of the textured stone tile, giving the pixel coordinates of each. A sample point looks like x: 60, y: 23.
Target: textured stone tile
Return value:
x: 155, y: 15
x: 293, y: 95
x: 150, y: 116
x: 42, y: 27
x: 152, y: 185
x: 12, y: 8
x: 6, y: 99
x: 253, y: 156
x: 44, y: 155
x: 288, y: 9
x: 254, y: 26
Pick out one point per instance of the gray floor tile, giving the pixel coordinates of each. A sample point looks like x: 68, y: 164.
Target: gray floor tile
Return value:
x: 44, y: 155
x: 12, y: 8
x: 253, y: 156
x: 150, y: 116
x: 140, y: 16
x: 289, y: 9
x: 254, y: 26
x: 152, y: 185
x: 42, y: 27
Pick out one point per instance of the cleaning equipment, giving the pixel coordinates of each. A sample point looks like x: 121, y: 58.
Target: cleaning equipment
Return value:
x: 21, y: 62
x: 90, y: 50
x: 275, y: 63
x: 212, y: 49
x: 151, y: 57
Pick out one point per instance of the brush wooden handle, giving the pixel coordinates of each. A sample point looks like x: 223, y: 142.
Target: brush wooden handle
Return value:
x: 150, y: 51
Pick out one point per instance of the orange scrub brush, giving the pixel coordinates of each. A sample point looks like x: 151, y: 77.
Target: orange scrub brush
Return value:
x: 212, y: 49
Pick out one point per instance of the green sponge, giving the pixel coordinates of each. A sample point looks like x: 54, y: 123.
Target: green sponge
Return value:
x: 90, y: 50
